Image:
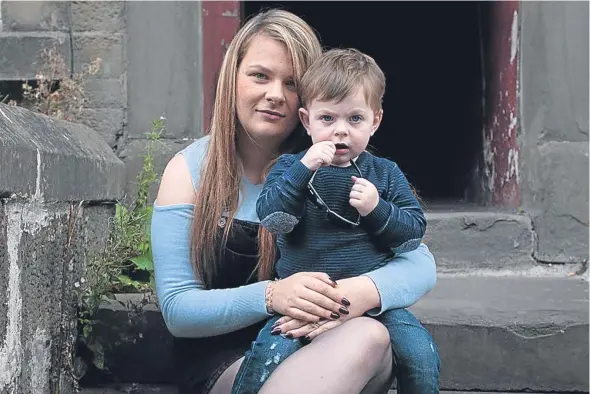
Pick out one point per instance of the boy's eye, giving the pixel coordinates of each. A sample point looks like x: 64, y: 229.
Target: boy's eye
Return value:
x: 326, y: 118
x: 356, y: 118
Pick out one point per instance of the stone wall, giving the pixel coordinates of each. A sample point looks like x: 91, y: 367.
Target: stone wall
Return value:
x: 151, y: 66
x: 554, y: 127
x: 56, y: 179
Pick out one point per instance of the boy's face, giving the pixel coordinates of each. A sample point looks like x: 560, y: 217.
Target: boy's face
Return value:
x: 349, y: 124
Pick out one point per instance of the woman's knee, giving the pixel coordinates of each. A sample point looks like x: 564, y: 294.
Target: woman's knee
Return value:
x: 369, y: 336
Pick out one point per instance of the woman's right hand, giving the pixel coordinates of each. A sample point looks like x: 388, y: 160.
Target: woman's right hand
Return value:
x: 309, y: 296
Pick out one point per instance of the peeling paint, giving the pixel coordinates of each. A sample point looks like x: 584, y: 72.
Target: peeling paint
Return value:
x: 7, y: 118
x: 21, y: 218
x: 38, y: 196
x: 231, y: 13
x: 40, y: 362
x: 514, y: 37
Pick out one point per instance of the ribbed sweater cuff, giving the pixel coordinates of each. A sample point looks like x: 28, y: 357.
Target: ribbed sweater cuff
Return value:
x: 299, y: 175
x: 376, y: 221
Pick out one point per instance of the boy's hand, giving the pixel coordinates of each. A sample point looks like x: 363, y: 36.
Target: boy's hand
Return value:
x: 363, y: 196
x: 320, y: 154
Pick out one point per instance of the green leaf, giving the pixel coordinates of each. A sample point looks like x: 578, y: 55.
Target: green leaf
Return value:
x: 143, y: 262
x: 124, y: 279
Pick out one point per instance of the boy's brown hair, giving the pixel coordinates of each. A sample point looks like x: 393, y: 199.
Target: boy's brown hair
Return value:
x: 337, y: 73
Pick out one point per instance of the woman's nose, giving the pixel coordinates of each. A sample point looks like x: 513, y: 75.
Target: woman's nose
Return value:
x: 275, y: 93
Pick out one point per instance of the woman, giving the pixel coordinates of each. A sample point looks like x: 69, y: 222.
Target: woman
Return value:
x: 213, y: 261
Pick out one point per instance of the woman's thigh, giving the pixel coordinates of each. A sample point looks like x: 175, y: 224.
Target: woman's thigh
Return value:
x: 225, y: 382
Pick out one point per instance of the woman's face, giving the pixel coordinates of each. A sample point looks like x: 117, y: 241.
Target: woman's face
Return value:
x: 267, y: 101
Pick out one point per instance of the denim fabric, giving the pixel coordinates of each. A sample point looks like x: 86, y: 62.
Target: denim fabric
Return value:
x: 415, y: 355
x: 416, y: 362
x: 264, y: 356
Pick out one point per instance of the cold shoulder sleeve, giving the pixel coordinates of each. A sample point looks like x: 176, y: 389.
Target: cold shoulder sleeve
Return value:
x: 188, y: 309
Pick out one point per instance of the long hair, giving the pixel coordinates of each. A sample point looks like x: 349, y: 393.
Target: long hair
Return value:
x: 219, y: 185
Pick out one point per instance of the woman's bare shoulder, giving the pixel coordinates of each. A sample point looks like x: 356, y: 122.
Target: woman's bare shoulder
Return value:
x: 176, y: 186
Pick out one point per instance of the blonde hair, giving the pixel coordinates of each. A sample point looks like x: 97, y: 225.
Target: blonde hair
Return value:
x: 221, y: 173
x: 338, y: 72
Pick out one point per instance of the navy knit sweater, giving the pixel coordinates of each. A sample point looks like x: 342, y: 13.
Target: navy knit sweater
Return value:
x: 308, y: 240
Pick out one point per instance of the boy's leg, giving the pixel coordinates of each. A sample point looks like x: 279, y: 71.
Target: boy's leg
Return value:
x: 415, y: 355
x: 265, y: 355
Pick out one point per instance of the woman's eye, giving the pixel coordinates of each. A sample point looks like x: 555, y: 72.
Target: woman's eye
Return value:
x: 260, y: 75
x: 356, y: 118
x: 290, y: 83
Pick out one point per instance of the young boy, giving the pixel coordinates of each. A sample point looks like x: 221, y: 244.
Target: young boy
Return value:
x: 335, y: 208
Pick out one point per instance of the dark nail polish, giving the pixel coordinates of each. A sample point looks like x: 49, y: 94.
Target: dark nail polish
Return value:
x: 275, y: 325
x: 322, y: 318
x: 345, y: 302
x: 334, y: 315
x: 305, y: 340
x: 289, y: 335
x: 276, y: 331
x: 343, y: 310
x: 334, y: 284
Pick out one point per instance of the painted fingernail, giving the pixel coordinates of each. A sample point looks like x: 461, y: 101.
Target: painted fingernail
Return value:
x: 334, y: 315
x: 334, y: 284
x: 289, y: 335
x: 322, y: 318
x: 277, y: 324
x: 275, y: 331
x: 305, y: 340
x: 343, y: 310
x: 345, y: 302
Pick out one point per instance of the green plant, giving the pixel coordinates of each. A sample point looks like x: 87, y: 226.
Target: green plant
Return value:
x: 57, y: 92
x: 125, y: 262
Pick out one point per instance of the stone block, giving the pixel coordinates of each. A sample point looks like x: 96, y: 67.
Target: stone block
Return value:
x: 107, y: 122
x: 509, y: 334
x: 98, y: 16
x: 106, y: 46
x: 164, y: 70
x: 52, y: 160
x: 468, y: 242
x: 132, y: 155
x: 46, y: 249
x: 554, y: 69
x: 106, y: 93
x: 35, y: 16
x: 560, y: 202
x: 20, y: 53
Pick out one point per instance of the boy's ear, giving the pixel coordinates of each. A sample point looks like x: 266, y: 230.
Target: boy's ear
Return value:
x: 377, y: 121
x: 304, y: 117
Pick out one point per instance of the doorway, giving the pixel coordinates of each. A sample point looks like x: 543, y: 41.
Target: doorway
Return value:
x: 430, y: 53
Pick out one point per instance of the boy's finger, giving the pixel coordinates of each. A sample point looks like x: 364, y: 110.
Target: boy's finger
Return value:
x: 360, y: 181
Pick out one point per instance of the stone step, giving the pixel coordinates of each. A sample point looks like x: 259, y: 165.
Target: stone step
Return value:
x: 493, y: 334
x: 479, y: 241
x: 168, y: 389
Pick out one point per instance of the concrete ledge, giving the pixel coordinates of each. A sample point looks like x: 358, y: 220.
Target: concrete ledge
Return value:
x: 494, y: 334
x: 55, y: 160
x: 169, y: 389
x: 484, y: 241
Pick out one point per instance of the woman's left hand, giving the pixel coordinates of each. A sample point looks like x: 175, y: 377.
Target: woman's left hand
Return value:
x: 295, y: 328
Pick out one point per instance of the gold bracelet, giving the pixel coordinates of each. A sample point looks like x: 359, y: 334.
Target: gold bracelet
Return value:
x: 268, y: 297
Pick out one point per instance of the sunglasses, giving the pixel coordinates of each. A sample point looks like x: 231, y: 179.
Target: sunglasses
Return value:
x: 321, y: 204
